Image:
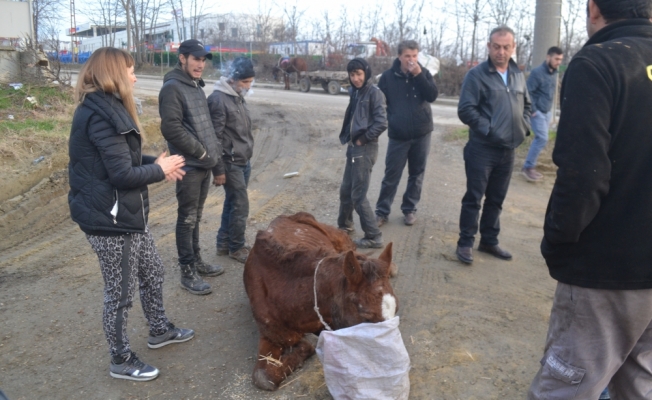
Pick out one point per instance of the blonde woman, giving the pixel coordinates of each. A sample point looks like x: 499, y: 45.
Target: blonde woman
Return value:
x: 108, y: 199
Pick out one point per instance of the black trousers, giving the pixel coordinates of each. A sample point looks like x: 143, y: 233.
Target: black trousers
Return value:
x: 488, y: 172
x: 192, y: 191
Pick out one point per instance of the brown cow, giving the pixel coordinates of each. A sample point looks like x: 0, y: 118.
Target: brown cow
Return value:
x: 287, y: 66
x: 280, y: 280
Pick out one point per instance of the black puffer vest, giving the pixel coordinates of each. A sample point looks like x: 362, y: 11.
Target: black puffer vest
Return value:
x: 108, y: 174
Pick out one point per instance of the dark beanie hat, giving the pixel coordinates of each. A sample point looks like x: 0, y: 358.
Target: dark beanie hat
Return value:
x: 362, y: 64
x: 241, y: 68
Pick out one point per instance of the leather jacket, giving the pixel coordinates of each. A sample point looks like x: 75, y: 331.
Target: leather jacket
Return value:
x: 369, y: 118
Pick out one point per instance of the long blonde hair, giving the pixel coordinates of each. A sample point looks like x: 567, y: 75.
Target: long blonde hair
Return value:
x: 106, y: 70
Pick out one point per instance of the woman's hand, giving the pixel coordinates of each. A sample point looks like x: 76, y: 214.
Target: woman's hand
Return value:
x: 171, y: 166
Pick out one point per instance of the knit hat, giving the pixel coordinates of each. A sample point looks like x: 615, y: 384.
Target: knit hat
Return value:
x: 241, y: 68
x: 362, y: 64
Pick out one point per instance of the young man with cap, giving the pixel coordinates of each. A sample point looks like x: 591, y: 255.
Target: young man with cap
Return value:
x: 365, y: 119
x: 187, y: 127
x: 232, y: 127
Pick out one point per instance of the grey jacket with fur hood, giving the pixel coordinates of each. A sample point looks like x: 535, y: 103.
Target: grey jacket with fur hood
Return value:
x: 232, y: 125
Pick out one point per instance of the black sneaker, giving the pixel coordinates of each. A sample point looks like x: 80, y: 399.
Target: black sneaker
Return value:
x: 133, y: 369
x: 173, y: 335
x: 366, y: 243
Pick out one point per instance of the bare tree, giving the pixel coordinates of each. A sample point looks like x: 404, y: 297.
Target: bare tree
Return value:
x: 45, y: 12
x: 108, y: 13
x: 573, y: 30
x: 294, y: 16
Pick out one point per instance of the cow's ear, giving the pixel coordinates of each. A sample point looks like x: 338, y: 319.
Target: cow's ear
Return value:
x: 352, y: 269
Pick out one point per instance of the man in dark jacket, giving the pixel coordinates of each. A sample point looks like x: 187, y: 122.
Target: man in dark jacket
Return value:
x: 496, y: 106
x: 232, y: 126
x: 409, y: 90
x: 598, y: 222
x: 187, y: 127
x: 541, y: 85
x: 364, y: 120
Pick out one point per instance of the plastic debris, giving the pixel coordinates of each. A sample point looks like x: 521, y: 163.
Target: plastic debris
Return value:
x: 31, y: 99
x: 291, y: 174
x: 38, y: 160
x: 10, y: 116
x: 16, y: 86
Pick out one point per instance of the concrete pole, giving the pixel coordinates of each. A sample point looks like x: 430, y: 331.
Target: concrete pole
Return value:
x: 547, y: 25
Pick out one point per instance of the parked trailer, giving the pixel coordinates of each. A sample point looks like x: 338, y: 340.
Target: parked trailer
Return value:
x: 331, y: 81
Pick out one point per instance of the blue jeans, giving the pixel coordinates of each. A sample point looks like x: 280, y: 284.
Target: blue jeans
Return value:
x: 191, y: 195
x: 236, y: 207
x: 488, y: 173
x: 540, y: 123
x: 353, y: 191
x: 413, y: 152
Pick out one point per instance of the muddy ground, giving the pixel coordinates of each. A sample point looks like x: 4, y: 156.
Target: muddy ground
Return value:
x: 472, y: 332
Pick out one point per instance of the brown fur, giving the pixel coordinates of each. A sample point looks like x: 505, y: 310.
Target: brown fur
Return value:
x: 295, y: 65
x: 279, y: 278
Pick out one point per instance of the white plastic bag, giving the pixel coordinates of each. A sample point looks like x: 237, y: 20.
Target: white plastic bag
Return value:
x: 429, y: 62
x: 365, y: 361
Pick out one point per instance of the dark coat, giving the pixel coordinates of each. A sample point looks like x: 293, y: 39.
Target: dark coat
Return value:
x: 369, y: 119
x: 231, y: 124
x: 599, y: 217
x: 185, y: 120
x: 541, y: 85
x: 497, y: 115
x: 108, y: 173
x: 408, y: 102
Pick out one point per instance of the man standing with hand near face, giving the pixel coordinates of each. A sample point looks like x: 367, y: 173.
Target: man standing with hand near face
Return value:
x: 232, y: 125
x: 496, y: 106
x: 187, y: 127
x: 409, y: 90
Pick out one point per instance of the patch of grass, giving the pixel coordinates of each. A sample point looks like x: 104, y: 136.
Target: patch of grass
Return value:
x: 457, y: 134
x: 46, y: 97
x: 29, y: 124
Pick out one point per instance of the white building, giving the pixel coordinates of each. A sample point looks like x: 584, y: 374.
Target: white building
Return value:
x: 299, y: 48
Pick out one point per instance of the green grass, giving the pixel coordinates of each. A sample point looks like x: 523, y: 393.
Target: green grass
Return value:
x: 30, y: 124
x: 45, y: 97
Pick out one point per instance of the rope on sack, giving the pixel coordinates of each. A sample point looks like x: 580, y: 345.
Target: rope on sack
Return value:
x: 314, y: 289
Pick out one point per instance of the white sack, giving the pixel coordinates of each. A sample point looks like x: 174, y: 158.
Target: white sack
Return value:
x: 365, y: 361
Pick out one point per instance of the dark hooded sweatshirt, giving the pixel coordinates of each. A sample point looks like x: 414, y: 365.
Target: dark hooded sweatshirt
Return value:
x: 599, y: 217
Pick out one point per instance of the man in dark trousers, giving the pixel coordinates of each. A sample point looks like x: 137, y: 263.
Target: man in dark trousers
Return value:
x: 364, y: 120
x: 598, y: 222
x: 232, y: 126
x: 496, y: 106
x: 409, y: 90
x: 187, y: 127
x: 541, y: 84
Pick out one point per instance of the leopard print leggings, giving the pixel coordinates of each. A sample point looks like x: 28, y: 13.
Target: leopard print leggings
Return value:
x: 122, y: 271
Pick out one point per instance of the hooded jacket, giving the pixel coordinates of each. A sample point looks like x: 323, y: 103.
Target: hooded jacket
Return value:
x: 231, y: 124
x: 408, y: 102
x: 365, y: 118
x: 498, y: 115
x: 185, y: 120
x: 599, y: 217
x: 108, y: 173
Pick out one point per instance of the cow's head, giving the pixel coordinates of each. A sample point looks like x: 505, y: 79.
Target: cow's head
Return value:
x: 368, y: 295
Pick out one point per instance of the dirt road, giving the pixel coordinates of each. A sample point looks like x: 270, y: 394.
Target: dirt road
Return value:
x: 471, y: 332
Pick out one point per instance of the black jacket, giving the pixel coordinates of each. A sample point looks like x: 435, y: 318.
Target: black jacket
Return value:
x: 108, y: 173
x: 231, y: 124
x: 369, y: 119
x: 408, y: 102
x: 497, y: 115
x: 599, y: 218
x: 185, y: 120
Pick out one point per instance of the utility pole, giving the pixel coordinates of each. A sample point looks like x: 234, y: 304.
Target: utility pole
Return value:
x: 546, y: 28
x: 73, y: 32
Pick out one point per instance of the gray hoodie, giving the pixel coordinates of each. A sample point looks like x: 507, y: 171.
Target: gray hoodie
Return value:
x: 232, y: 124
